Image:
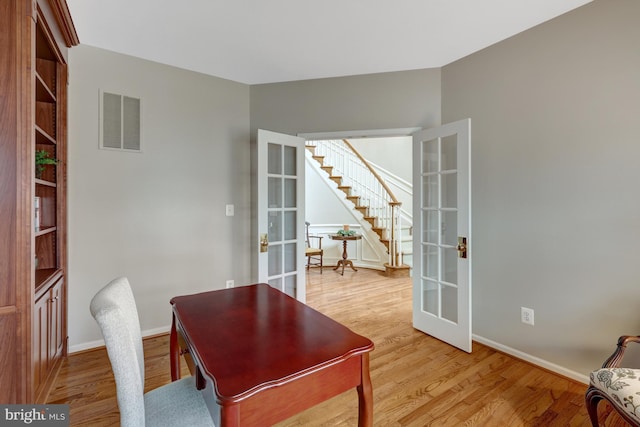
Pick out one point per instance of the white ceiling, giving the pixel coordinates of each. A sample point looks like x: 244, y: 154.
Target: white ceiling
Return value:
x: 265, y: 41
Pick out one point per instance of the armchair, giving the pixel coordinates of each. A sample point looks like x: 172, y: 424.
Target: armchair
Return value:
x: 618, y: 386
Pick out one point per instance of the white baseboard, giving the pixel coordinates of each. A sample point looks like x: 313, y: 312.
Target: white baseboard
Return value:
x: 100, y: 343
x: 535, y: 360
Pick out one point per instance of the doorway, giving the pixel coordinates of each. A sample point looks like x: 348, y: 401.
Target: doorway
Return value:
x: 388, y: 153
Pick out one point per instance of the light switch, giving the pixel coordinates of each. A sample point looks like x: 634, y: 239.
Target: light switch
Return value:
x: 229, y: 210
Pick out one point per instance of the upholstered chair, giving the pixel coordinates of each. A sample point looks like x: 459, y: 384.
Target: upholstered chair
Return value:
x: 617, y: 385
x: 176, y: 404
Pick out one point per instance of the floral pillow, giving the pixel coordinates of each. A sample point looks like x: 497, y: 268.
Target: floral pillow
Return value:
x: 623, y: 385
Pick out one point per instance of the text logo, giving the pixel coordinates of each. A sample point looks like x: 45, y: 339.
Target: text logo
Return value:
x: 34, y: 415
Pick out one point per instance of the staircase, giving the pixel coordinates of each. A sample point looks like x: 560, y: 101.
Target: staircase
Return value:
x: 379, y: 209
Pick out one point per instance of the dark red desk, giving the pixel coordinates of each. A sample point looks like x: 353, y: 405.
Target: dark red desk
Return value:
x: 261, y: 356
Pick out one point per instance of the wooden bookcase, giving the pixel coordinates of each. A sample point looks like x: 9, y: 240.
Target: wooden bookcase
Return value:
x: 35, y: 37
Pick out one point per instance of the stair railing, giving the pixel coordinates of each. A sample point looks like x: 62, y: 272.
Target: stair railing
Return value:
x: 371, y: 190
x: 403, y: 191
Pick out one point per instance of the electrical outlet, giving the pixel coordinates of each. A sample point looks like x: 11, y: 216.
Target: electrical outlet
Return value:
x: 526, y: 315
x: 229, y: 210
x: 230, y: 283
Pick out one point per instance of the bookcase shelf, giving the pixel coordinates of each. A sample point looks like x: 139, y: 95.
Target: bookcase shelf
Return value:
x: 42, y: 137
x: 45, y: 183
x: 43, y: 93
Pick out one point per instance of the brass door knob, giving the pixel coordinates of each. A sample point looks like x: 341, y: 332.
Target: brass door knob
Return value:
x: 462, y: 247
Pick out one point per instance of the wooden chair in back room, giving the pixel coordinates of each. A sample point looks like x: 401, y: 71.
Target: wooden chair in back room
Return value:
x: 313, y: 250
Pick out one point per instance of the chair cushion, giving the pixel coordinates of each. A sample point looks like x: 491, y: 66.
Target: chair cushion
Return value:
x: 178, y: 403
x: 623, y: 385
x: 312, y: 251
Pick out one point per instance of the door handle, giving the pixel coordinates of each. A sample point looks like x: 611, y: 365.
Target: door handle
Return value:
x: 264, y: 243
x: 462, y: 247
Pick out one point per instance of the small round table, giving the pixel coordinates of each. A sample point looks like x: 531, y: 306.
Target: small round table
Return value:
x: 344, y: 261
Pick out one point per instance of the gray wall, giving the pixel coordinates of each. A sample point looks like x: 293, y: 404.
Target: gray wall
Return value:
x: 375, y: 101
x: 555, y: 122
x: 158, y: 216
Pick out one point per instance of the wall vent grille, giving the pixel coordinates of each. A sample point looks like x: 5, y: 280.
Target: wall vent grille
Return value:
x: 120, y: 122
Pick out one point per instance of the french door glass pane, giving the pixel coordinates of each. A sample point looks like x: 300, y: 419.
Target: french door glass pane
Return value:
x: 276, y: 282
x: 290, y: 160
x: 449, y: 152
x: 290, y: 285
x: 275, y: 192
x: 274, y: 153
x: 430, y: 297
x: 430, y: 156
x: 449, y: 228
x: 449, y: 190
x: 430, y: 262
x: 290, y: 193
x: 450, y: 265
x: 275, y: 227
x: 289, y: 257
x: 290, y: 225
x: 275, y: 259
x: 450, y: 303
x: 431, y: 225
x: 430, y: 189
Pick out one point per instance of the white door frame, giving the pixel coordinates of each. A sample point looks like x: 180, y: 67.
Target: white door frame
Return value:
x: 372, y: 133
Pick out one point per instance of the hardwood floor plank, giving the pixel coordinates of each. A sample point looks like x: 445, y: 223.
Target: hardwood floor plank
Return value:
x: 417, y: 380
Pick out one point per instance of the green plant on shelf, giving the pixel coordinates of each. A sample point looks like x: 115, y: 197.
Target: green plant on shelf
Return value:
x: 43, y: 158
x: 346, y: 233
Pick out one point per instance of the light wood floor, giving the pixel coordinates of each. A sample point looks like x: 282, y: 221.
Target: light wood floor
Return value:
x: 417, y: 380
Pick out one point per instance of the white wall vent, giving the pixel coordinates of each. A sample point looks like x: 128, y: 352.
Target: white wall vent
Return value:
x: 119, y: 122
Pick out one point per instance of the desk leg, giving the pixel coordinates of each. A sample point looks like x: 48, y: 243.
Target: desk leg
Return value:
x: 365, y: 395
x: 174, y: 351
x: 230, y: 415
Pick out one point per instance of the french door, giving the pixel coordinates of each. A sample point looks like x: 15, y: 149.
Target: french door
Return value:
x: 280, y: 178
x: 442, y: 233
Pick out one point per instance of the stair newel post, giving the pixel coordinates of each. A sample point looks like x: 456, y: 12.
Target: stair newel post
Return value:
x: 389, y: 231
x: 395, y: 233
x: 393, y: 246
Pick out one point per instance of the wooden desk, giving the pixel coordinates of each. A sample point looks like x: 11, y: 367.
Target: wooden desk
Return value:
x: 345, y: 261
x: 261, y: 356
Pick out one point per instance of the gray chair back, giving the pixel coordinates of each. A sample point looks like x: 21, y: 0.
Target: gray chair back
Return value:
x: 114, y: 308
